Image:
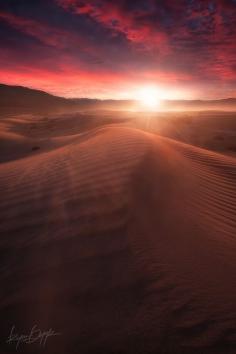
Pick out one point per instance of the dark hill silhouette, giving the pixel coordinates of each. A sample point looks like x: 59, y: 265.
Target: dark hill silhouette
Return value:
x: 22, y: 99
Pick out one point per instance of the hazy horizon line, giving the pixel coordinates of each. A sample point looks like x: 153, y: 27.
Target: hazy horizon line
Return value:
x: 113, y: 99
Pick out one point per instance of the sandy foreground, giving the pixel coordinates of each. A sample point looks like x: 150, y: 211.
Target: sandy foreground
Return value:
x: 120, y: 240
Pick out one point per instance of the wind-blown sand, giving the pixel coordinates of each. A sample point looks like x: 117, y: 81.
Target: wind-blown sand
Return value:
x: 121, y: 240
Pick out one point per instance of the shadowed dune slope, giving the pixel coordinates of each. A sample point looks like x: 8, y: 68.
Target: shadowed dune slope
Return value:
x: 122, y: 241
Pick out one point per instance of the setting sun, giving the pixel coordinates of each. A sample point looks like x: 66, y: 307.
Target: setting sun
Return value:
x: 148, y: 97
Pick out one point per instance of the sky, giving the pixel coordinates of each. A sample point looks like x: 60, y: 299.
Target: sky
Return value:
x: 186, y: 49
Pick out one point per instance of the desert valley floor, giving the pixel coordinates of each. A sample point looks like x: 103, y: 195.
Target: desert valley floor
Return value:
x: 119, y: 233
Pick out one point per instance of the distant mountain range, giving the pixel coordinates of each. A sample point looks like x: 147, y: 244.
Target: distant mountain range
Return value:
x: 227, y: 103
x: 23, y: 99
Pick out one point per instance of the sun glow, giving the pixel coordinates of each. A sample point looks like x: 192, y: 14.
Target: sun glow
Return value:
x: 149, y: 98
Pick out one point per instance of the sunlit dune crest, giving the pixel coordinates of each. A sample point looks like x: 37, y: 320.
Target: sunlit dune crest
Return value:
x: 108, y: 220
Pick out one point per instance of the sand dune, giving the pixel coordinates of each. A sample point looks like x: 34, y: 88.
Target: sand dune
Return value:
x: 121, y: 240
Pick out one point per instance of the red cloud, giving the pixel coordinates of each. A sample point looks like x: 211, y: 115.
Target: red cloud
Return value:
x: 111, y: 16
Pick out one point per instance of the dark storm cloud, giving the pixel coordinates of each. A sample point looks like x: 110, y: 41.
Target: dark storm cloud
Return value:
x: 103, y: 42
